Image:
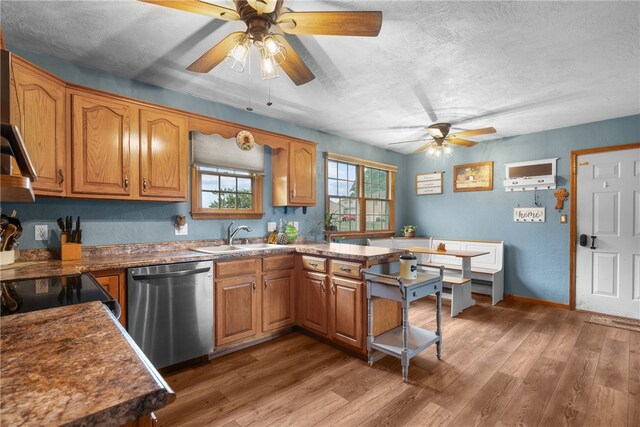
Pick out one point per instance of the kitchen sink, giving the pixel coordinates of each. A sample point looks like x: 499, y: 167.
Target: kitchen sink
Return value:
x: 259, y: 246
x: 233, y: 248
x: 218, y: 249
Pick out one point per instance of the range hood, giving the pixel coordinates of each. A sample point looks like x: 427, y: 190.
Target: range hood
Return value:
x: 14, y: 188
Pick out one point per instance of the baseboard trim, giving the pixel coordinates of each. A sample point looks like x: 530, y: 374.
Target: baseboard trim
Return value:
x: 517, y: 298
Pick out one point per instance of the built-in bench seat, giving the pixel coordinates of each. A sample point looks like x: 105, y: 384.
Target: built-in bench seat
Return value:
x: 487, y: 273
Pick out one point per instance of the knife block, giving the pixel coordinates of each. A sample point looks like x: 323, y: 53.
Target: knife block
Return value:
x: 69, y: 251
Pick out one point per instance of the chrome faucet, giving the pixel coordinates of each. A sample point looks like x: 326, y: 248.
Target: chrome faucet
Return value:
x: 232, y: 234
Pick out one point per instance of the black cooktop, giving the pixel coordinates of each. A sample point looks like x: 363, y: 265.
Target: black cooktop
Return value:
x: 22, y: 296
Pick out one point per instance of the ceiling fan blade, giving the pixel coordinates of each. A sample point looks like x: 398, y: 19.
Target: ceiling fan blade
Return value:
x: 483, y: 131
x: 216, y: 54
x: 331, y: 23
x: 424, y: 147
x: 463, y: 142
x: 199, y: 7
x: 293, y: 65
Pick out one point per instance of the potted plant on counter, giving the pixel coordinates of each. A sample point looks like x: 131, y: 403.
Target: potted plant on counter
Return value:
x: 329, y: 221
x: 409, y: 231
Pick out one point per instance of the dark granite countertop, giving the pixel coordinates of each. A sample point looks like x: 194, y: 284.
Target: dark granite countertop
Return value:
x: 119, y: 257
x: 74, y: 365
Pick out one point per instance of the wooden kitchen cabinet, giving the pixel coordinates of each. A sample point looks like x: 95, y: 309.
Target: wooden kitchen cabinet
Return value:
x: 345, y: 311
x: 164, y: 154
x: 314, y: 301
x: 294, y: 174
x: 115, y: 282
x: 100, y: 145
x: 236, y: 309
x: 277, y: 300
x: 38, y: 108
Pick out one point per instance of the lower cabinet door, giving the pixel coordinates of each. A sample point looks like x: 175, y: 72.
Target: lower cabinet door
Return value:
x: 314, y: 301
x: 277, y: 300
x: 114, y: 282
x: 345, y: 311
x: 236, y: 309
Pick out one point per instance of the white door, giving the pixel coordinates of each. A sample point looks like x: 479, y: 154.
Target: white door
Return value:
x: 608, y: 277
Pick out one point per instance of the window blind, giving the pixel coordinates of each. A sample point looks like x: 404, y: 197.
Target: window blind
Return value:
x: 215, y: 151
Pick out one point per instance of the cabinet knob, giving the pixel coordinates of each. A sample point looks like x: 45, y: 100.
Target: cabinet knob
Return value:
x: 333, y: 288
x: 253, y: 287
x: 126, y: 183
x: 322, y: 285
x: 345, y: 269
x: 144, y: 184
x: 265, y: 285
x: 60, y: 177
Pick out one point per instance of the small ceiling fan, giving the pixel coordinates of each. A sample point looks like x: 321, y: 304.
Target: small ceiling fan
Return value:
x: 260, y: 16
x: 439, y: 140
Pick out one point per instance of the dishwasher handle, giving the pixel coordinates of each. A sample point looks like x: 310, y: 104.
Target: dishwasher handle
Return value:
x: 179, y: 273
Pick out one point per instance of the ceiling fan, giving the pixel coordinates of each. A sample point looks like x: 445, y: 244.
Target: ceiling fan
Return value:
x: 439, y: 140
x: 260, y: 16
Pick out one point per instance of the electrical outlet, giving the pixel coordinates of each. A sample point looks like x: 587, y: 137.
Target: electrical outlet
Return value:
x: 271, y: 226
x: 42, y: 232
x: 182, y: 230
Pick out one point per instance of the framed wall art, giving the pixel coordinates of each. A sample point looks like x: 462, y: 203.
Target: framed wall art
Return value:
x: 473, y: 177
x: 429, y: 183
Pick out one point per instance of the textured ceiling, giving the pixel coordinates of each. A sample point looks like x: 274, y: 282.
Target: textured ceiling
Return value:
x: 521, y: 67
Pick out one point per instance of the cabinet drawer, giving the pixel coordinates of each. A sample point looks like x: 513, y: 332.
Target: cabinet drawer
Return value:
x: 313, y: 263
x: 236, y: 268
x: 423, y: 291
x: 344, y: 268
x: 278, y: 262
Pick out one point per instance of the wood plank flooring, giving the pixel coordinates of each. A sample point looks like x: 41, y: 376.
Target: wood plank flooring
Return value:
x: 515, y: 364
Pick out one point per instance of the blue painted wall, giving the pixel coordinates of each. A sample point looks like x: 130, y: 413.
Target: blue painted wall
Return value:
x: 109, y: 222
x: 536, y: 254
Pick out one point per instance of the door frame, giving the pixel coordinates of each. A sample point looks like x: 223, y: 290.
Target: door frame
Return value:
x: 573, y: 209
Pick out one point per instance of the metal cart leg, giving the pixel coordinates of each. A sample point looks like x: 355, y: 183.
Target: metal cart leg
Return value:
x: 370, y: 331
x: 405, y: 342
x: 439, y: 323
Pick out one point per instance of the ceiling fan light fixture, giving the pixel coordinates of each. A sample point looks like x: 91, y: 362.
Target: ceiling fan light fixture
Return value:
x: 236, y: 58
x: 268, y: 66
x: 437, y: 151
x: 274, y: 48
x: 448, y: 151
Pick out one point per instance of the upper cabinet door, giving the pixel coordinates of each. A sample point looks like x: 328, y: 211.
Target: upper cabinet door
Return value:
x: 38, y: 110
x: 164, y: 168
x: 302, y: 169
x: 100, y: 145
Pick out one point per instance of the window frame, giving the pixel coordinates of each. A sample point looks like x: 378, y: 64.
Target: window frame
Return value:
x: 361, y: 164
x: 199, y: 212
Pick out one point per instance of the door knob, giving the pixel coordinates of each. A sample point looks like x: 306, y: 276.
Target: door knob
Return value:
x: 583, y: 240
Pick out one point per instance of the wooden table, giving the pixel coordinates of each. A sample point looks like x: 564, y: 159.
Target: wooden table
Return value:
x: 460, y: 295
x: 404, y: 341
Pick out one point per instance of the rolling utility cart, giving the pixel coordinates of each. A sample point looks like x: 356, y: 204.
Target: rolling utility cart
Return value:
x: 404, y: 341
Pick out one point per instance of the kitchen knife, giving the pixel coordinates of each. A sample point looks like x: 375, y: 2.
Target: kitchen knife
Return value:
x: 77, y: 224
x: 79, y: 236
x: 61, y: 224
x: 69, y: 227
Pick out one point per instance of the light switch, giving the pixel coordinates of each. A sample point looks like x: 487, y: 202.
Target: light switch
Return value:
x: 295, y: 224
x: 271, y: 226
x: 182, y: 230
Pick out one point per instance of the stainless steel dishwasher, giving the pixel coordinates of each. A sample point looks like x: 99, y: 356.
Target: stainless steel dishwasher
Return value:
x: 170, y: 311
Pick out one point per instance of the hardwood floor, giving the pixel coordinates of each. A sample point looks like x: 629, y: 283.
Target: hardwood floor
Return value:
x: 513, y: 364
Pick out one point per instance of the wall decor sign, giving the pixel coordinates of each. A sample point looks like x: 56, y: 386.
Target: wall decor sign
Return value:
x: 529, y: 214
x: 473, y: 177
x: 429, y: 183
